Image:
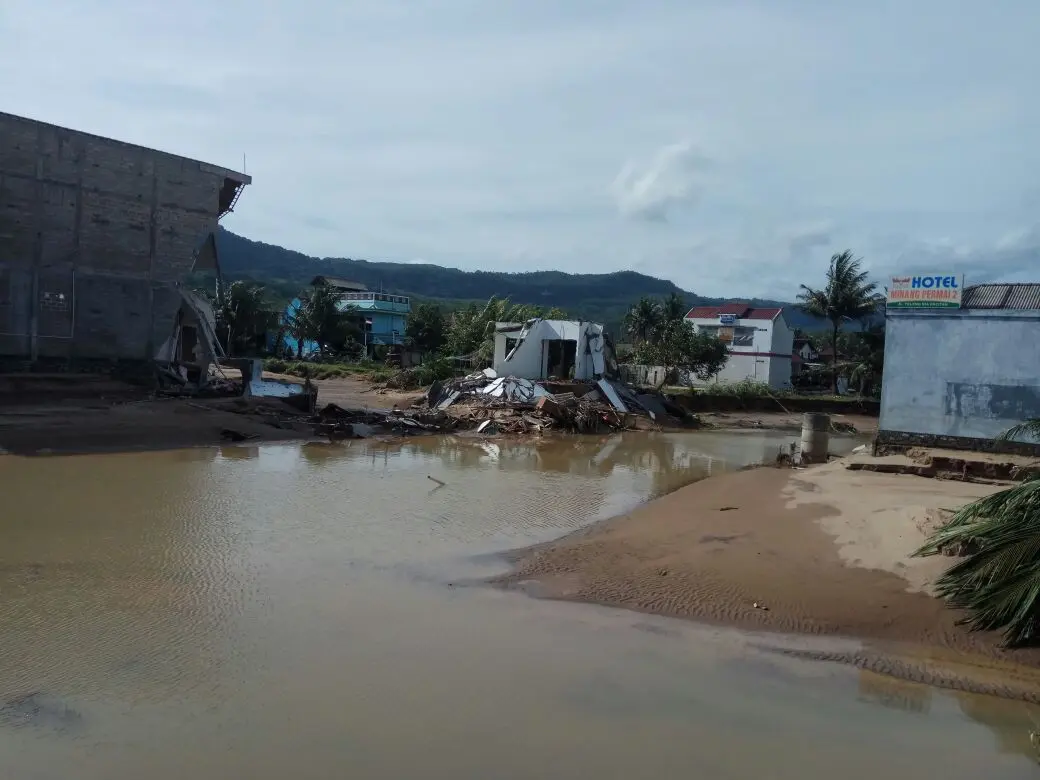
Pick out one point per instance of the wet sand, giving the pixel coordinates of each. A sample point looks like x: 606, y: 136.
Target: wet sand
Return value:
x: 821, y: 551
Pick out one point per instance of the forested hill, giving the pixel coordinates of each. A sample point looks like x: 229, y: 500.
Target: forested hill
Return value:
x: 600, y: 297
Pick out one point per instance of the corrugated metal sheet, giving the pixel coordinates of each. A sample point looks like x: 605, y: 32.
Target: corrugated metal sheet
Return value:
x: 984, y: 296
x: 1024, y: 296
x: 1002, y: 296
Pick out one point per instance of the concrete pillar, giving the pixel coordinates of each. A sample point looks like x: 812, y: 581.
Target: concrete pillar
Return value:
x: 816, y: 430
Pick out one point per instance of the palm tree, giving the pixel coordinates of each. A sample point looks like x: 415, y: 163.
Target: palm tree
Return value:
x: 999, y: 580
x: 674, y: 308
x: 471, y: 333
x: 847, y: 296
x: 243, y: 313
x: 643, y: 320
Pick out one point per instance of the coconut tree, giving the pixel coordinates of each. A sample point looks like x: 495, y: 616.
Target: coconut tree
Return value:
x: 470, y: 330
x: 998, y: 583
x: 243, y: 313
x: 674, y: 308
x: 847, y: 296
x: 643, y: 320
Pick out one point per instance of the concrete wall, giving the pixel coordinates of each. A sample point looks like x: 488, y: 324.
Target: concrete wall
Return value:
x: 95, y: 235
x: 968, y: 374
x: 532, y: 356
x: 767, y: 359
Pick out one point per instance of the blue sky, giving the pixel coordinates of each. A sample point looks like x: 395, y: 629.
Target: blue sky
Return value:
x: 728, y: 146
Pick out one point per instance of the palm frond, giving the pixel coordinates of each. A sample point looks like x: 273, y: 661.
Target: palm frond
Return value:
x: 998, y: 583
x: 1029, y: 428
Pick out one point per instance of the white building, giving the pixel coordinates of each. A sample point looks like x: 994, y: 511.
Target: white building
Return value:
x: 760, y: 341
x: 540, y: 349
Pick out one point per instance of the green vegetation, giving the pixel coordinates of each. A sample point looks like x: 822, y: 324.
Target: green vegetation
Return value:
x: 455, y: 334
x: 243, y: 312
x: 365, y: 369
x: 998, y: 583
x: 598, y: 297
x: 847, y: 296
x: 663, y: 338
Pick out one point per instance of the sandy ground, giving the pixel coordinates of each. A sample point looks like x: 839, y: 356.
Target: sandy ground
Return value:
x: 820, y: 551
x: 784, y: 421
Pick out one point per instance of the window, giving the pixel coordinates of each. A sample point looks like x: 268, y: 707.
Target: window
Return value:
x: 743, y: 337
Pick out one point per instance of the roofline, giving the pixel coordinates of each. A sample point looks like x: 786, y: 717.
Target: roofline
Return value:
x: 779, y: 312
x: 228, y: 173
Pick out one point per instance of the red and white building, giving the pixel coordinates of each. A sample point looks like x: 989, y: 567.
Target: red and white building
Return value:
x: 760, y: 341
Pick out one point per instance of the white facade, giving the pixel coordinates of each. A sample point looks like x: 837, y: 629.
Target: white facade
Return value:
x: 540, y: 349
x: 760, y: 342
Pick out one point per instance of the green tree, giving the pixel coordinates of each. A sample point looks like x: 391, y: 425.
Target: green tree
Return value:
x: 677, y: 346
x: 674, y: 308
x: 642, y: 320
x: 427, y: 327
x: 471, y: 330
x: 847, y: 296
x: 862, y: 358
x: 555, y: 313
x: 323, y: 319
x: 243, y: 313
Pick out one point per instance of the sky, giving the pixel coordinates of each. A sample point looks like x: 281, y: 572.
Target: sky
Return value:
x: 730, y: 146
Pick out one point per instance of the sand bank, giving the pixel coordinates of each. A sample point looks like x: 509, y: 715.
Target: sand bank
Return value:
x: 821, y: 551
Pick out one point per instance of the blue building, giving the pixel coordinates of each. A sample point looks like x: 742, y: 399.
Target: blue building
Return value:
x: 381, y: 317
x: 960, y: 372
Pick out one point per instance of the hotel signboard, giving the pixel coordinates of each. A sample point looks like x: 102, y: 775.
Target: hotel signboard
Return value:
x: 925, y: 291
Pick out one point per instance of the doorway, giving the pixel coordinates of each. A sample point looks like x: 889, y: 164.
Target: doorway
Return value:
x: 560, y: 358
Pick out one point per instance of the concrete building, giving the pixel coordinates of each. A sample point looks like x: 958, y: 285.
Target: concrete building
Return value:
x: 760, y: 341
x: 96, y: 236
x: 381, y: 317
x: 540, y: 349
x: 957, y: 377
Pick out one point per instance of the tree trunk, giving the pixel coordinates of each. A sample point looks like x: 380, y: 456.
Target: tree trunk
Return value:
x: 834, y: 358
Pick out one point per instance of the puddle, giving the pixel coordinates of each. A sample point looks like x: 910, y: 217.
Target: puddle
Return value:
x: 284, y: 611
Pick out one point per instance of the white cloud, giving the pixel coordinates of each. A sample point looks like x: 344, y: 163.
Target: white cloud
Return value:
x: 670, y: 179
x: 484, y: 135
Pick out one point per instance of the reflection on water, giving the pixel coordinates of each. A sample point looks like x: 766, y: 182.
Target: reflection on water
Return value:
x: 896, y: 694
x: 289, y: 611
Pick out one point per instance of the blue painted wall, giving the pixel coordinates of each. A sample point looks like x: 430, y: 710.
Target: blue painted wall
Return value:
x: 381, y: 331
x: 971, y: 373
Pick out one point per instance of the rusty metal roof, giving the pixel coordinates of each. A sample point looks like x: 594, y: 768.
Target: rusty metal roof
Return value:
x: 1002, y: 296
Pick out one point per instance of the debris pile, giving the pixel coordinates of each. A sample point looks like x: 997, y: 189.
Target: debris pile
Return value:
x: 513, y: 405
x: 339, y: 423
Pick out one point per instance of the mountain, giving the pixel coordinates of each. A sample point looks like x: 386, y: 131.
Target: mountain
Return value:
x: 600, y: 297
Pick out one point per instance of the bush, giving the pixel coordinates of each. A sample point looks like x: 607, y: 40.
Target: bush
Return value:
x: 304, y: 368
x: 745, y: 388
x: 431, y: 371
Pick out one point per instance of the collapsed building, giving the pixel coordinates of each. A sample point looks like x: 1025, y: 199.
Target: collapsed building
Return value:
x: 96, y: 239
x: 562, y: 349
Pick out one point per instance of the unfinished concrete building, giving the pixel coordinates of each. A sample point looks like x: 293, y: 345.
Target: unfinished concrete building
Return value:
x: 96, y: 237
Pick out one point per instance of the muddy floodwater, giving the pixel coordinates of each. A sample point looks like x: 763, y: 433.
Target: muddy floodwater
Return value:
x: 315, y: 611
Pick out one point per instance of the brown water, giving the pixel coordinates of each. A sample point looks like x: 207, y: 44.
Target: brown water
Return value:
x: 298, y: 612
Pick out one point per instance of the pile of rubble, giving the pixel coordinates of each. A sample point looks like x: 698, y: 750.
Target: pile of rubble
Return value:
x: 339, y: 423
x: 513, y: 405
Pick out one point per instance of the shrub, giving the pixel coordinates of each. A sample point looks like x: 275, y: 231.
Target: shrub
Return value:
x: 745, y: 388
